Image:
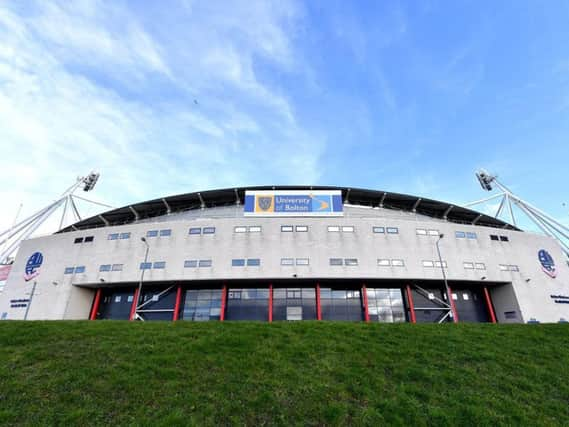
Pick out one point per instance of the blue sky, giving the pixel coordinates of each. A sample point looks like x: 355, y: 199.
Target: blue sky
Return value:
x: 179, y: 96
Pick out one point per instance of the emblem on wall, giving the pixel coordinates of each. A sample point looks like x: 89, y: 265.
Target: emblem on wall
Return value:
x: 547, y: 263
x: 33, y: 265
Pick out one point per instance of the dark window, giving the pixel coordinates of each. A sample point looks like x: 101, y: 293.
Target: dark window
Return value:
x: 125, y: 236
x: 470, y: 235
x: 195, y: 230
x: 504, y: 239
x: 392, y: 230
x: 205, y: 263
x: 493, y: 237
x: 105, y: 267
x: 160, y: 264
x: 80, y: 269
x: 202, y: 305
x: 78, y: 240
x: 253, y: 262
x: 248, y: 304
x: 113, y: 236
x: 460, y: 234
x: 379, y: 230
x: 89, y: 239
x: 351, y: 261
x: 294, y: 304
x: 152, y: 233
x: 240, y: 262
x: 336, y: 261
x: 145, y: 265
x: 69, y: 270
x: 510, y: 315
x: 165, y: 233
x: 190, y: 263
x: 209, y: 230
x: 117, y: 267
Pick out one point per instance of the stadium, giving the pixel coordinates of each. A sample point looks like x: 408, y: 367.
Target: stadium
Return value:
x: 274, y: 253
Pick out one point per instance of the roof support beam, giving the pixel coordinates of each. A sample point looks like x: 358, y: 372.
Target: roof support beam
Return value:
x: 382, y: 200
x: 237, y: 199
x: 136, y: 216
x: 168, y: 209
x: 348, y: 196
x: 416, y: 204
x: 102, y: 218
x: 445, y: 215
x: 476, y: 219
x: 202, y: 203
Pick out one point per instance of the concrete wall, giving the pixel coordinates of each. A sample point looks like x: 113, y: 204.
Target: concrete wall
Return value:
x: 60, y: 296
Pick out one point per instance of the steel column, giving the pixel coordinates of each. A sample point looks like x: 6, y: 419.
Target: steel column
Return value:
x: 318, y: 307
x: 96, y: 302
x: 178, y: 302
x: 270, y: 302
x: 366, y: 312
x: 411, y: 305
x: 489, y: 305
x: 134, y: 304
x: 452, y: 306
x: 223, y: 299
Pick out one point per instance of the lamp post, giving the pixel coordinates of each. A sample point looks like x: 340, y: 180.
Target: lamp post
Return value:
x: 143, y: 239
x: 447, y: 289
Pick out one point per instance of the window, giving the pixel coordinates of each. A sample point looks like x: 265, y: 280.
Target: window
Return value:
x: 80, y: 269
x: 471, y: 235
x: 166, y: 232
x: 493, y: 237
x: 89, y: 239
x: 125, y: 236
x: 379, y: 230
x: 348, y: 229
x: 294, y: 304
x: 341, y: 304
x: 504, y: 239
x: 69, y: 270
x: 202, y: 305
x: 302, y: 261
x: 255, y: 229
x: 113, y: 236
x: 105, y: 267
x: 209, y: 230
x: 239, y: 262
x: 152, y: 233
x: 287, y: 228
x: 336, y: 261
x: 145, y: 265
x: 514, y: 268
x: 438, y: 264
x: 397, y: 263
x: 383, y: 263
x: 78, y: 240
x: 248, y: 304
x: 205, y: 263
x: 433, y: 232
x: 392, y: 230
x: 421, y: 232
x: 385, y: 305
x: 459, y: 234
x: 301, y: 228
x: 287, y: 261
x: 480, y: 266
x: 240, y: 229
x: 333, y: 228
x: 253, y: 262
x: 190, y: 263
x: 160, y: 265
x: 351, y: 261
x: 428, y: 264
x: 195, y: 230
x: 468, y: 265
x: 503, y: 267
x: 117, y: 267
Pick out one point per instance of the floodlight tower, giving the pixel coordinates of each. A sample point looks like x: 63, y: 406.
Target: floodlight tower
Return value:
x: 543, y: 221
x: 11, y: 238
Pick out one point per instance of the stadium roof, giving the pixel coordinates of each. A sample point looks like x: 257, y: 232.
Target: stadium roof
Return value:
x: 231, y: 196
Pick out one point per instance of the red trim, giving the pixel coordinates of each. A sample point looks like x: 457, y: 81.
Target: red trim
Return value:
x: 366, y: 312
x: 223, y: 298
x: 489, y: 305
x: 452, y: 306
x: 270, y: 302
x: 318, y: 307
x: 411, y: 305
x: 96, y: 302
x: 178, y: 302
x: 134, y: 304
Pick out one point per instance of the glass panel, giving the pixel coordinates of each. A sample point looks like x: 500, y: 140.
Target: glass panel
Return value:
x: 209, y: 230
x: 378, y: 229
x: 240, y: 229
x: 113, y: 236
x: 253, y: 262
x: 117, y: 267
x: 392, y: 230
x: 255, y: 229
x: 238, y: 262
x: 433, y: 232
x: 125, y: 236
x: 195, y: 230
x: 105, y: 267
x: 421, y: 232
x: 287, y: 261
x: 205, y: 263
x: 152, y: 233
x: 351, y: 261
x: 471, y: 235
x: 160, y: 264
x: 460, y: 234
x: 165, y: 233
x: 333, y: 228
x: 336, y: 261
x: 348, y: 228
x: 302, y: 228
x: 287, y: 228
x: 383, y: 262
x: 190, y: 263
x: 397, y: 263
x: 302, y: 261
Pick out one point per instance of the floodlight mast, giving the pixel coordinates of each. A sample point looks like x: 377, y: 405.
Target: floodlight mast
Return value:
x: 11, y: 238
x: 547, y: 224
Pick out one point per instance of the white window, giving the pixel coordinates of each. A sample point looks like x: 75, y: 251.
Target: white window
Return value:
x: 333, y: 228
x: 255, y: 229
x: 465, y: 297
x: 428, y: 264
x: 392, y: 230
x: 480, y: 266
x: 118, y: 298
x: 301, y: 228
x: 421, y: 232
x: 117, y: 267
x: 514, y: 268
x: 454, y: 296
x: 503, y: 267
x: 336, y: 261
x: 130, y: 298
x: 433, y: 232
x: 383, y: 263
x: 379, y: 230
x: 287, y: 228
x: 240, y: 229
x: 351, y: 261
x: 468, y: 265
x: 348, y: 228
x: 397, y: 263
x: 287, y: 261
x: 302, y: 261
x: 438, y: 264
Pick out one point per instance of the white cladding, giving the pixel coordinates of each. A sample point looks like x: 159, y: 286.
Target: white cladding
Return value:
x: 526, y: 292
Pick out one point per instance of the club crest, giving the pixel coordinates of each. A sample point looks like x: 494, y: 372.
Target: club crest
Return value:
x: 547, y: 263
x: 32, y: 266
x: 265, y: 203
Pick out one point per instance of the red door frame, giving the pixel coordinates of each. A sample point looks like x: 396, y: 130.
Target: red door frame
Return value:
x: 223, y: 299
x: 177, y: 305
x: 270, y: 302
x: 133, y: 306
x: 452, y: 306
x: 411, y: 305
x: 489, y: 305
x: 318, y: 307
x: 96, y: 303
x: 366, y: 312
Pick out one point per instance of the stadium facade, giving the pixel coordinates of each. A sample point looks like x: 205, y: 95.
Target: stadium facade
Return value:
x: 290, y: 253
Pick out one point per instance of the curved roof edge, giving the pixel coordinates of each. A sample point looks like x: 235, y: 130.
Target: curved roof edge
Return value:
x: 232, y: 196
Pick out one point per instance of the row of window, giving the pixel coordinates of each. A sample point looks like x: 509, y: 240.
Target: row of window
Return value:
x: 499, y: 238
x: 200, y: 230
x: 465, y: 235
x: 117, y: 236
x: 425, y: 232
x: 111, y: 267
x: 194, y: 263
x: 344, y: 261
x: 242, y: 262
x: 504, y: 267
x: 474, y: 265
x: 247, y: 229
x: 297, y: 228
x: 158, y: 265
x: 384, y: 262
x: 291, y: 261
x: 86, y: 239
x: 73, y: 270
x: 432, y: 264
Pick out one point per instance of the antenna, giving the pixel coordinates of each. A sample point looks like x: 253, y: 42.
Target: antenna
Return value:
x: 11, y: 238
x: 508, y: 200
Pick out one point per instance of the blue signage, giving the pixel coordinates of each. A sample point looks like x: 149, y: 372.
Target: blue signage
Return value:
x: 547, y: 263
x: 32, y: 266
x: 293, y: 203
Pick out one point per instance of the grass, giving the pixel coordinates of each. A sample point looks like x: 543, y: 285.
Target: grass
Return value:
x: 310, y: 373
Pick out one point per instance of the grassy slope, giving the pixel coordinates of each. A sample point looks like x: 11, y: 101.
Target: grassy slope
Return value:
x: 309, y: 373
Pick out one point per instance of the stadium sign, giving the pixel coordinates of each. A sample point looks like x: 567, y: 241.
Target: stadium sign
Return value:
x: 32, y: 266
x: 547, y: 263
x: 293, y: 203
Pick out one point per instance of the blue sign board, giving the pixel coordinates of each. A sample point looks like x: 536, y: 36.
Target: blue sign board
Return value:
x: 293, y: 203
